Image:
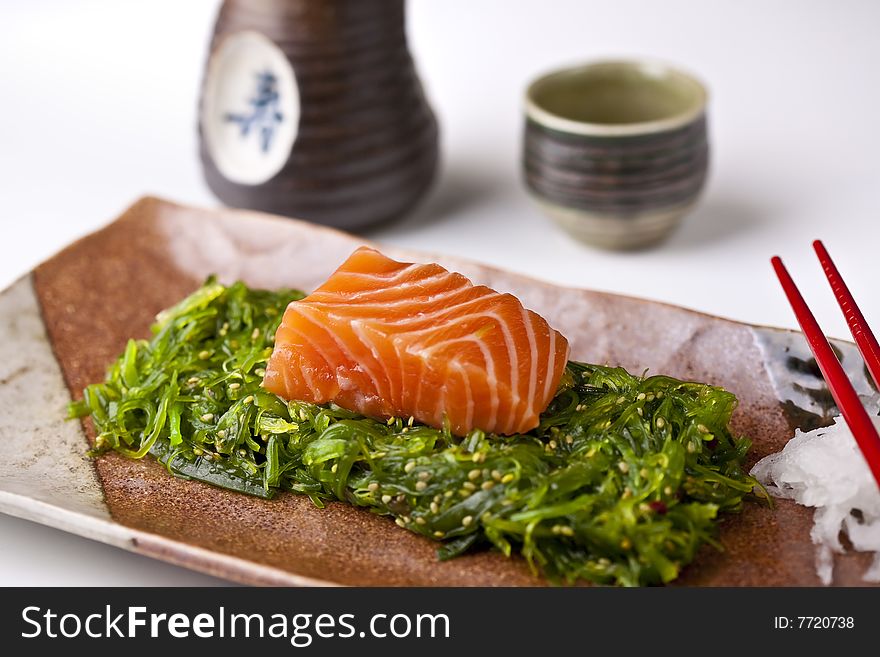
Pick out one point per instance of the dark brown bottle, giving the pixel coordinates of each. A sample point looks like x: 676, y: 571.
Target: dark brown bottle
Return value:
x: 313, y: 109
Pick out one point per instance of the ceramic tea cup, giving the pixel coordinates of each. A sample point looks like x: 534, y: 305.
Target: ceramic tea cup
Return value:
x: 616, y: 152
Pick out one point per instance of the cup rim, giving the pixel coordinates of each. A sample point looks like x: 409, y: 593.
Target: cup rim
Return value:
x: 562, y: 124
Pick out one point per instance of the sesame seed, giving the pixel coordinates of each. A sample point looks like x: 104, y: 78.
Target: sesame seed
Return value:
x: 579, y: 407
x: 641, y: 396
x: 627, y: 493
x: 386, y: 499
x: 555, y: 529
x: 650, y: 397
x: 467, y: 520
x: 420, y: 521
x: 496, y: 475
x: 569, y: 440
x: 621, y: 399
x: 410, y: 465
x: 448, y: 493
x: 702, y: 428
x: 192, y: 380
x: 334, y: 467
x: 552, y: 444
x: 400, y: 522
x: 468, y: 486
x: 623, y: 466
x: 660, y: 395
x: 506, y: 479
x: 661, y: 423
x: 421, y: 485
x: 197, y: 451
x: 438, y: 497
x: 207, y: 417
x: 667, y: 491
x: 424, y: 475
x: 486, y: 517
x: 248, y: 399
x: 435, y: 508
x: 464, y: 492
x: 410, y: 421
x: 566, y: 531
x: 640, y: 411
x: 643, y: 473
x: 373, y: 487
x: 234, y: 386
x: 438, y: 534
x: 488, y: 485
x: 302, y: 415
x: 255, y: 334
x: 691, y: 448
x: 260, y: 372
x: 221, y: 433
x: 242, y: 452
x: 404, y: 430
x: 204, y: 355
x: 391, y: 420
x: 474, y: 474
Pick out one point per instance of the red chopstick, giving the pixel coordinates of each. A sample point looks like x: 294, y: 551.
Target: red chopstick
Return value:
x: 844, y: 394
x: 859, y: 328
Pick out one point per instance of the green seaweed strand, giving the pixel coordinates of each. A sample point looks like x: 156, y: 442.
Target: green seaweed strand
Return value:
x: 621, y: 483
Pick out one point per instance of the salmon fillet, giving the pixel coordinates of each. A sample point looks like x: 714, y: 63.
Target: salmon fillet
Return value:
x: 387, y: 338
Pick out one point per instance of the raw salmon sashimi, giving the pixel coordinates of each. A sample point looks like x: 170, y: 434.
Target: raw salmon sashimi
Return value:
x: 388, y: 338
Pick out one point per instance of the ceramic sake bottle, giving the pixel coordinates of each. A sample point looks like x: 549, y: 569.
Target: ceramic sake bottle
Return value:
x: 313, y: 109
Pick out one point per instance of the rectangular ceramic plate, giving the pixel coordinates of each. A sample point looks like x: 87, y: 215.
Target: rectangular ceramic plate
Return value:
x: 67, y: 320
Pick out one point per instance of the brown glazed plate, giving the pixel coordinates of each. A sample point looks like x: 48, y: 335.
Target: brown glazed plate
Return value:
x: 65, y: 321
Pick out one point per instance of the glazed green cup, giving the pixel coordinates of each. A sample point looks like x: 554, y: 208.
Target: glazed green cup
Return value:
x: 616, y: 152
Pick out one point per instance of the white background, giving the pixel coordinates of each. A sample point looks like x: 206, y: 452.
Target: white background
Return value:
x: 97, y: 107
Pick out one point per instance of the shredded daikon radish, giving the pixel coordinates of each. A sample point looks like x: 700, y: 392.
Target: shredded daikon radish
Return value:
x: 824, y: 469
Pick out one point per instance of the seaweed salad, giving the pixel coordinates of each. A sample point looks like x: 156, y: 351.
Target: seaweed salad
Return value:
x: 621, y: 483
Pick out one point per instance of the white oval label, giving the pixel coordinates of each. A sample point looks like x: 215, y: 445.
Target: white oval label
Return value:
x: 250, y: 108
